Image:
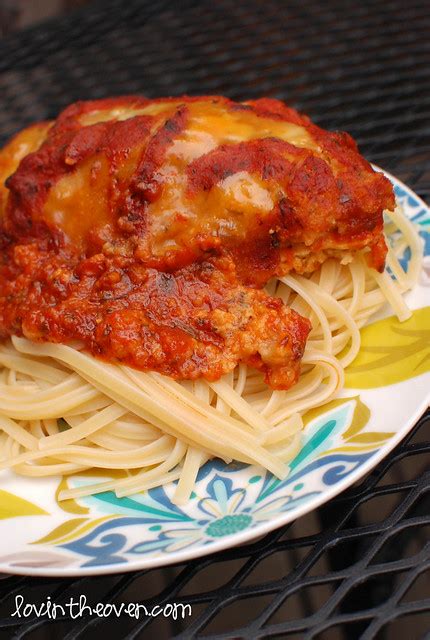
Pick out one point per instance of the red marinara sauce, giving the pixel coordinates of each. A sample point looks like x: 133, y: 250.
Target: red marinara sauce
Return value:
x: 147, y: 229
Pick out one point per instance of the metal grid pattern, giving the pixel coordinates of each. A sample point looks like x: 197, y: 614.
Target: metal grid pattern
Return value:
x: 360, y: 66
x: 359, y: 566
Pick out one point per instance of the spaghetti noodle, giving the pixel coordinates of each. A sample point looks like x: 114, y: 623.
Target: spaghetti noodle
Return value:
x: 63, y: 411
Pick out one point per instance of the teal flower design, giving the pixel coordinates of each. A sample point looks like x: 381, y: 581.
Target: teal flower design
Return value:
x: 223, y: 517
x: 228, y: 511
x: 228, y: 525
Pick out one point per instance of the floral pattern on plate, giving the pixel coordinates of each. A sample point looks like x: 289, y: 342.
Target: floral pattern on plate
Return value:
x: 386, y: 390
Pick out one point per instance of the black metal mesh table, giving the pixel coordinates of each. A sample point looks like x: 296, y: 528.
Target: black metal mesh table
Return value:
x: 360, y: 565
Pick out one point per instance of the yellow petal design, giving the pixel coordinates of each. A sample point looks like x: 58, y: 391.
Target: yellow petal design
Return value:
x: 359, y: 420
x: 71, y: 530
x: 312, y: 414
x: 12, y: 506
x: 64, y: 529
x: 371, y: 437
x: 391, y: 351
x: 71, y: 506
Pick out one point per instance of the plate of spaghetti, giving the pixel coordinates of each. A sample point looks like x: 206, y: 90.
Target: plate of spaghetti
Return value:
x: 214, y: 317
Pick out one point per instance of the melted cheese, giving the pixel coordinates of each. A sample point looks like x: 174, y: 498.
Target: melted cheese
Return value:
x: 125, y: 112
x: 245, y: 191
x: 84, y: 201
x: 226, y: 126
x: 18, y: 147
x: 79, y: 201
x: 209, y: 125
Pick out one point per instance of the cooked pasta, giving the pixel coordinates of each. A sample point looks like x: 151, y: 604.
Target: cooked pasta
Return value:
x: 62, y: 411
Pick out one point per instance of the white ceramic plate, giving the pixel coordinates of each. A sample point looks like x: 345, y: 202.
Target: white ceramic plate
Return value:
x: 387, y: 389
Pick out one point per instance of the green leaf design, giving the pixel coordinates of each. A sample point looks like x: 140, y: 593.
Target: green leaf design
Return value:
x: 12, y: 506
x: 391, y: 351
x: 312, y: 444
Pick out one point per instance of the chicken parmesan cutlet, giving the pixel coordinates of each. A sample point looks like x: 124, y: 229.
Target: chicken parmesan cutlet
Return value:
x: 147, y: 230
